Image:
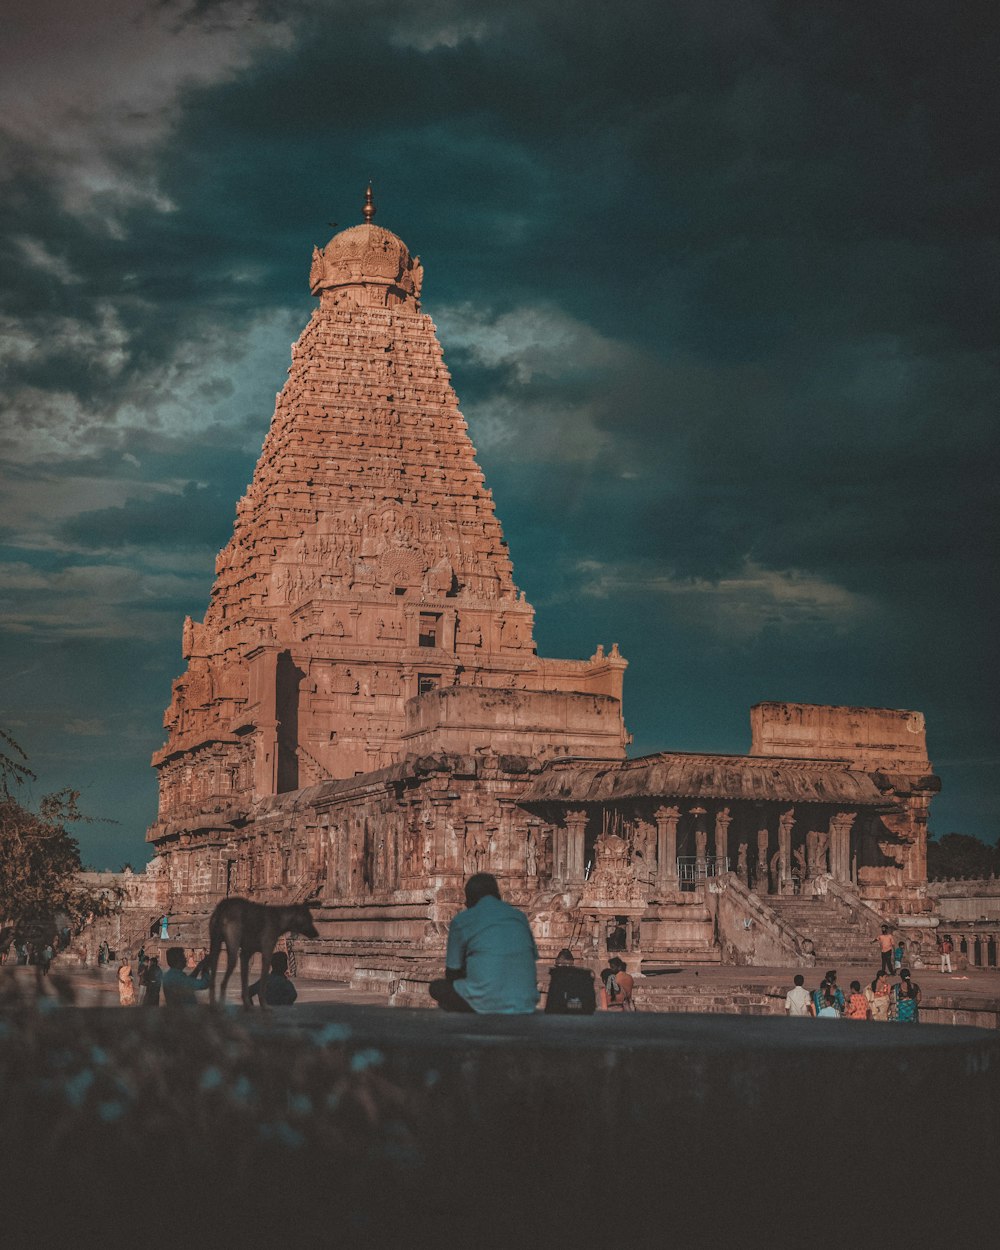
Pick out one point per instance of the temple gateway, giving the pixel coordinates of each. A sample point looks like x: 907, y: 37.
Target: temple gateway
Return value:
x: 364, y: 719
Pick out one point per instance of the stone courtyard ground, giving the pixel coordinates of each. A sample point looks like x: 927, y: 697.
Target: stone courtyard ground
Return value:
x: 971, y: 997
x: 348, y: 1124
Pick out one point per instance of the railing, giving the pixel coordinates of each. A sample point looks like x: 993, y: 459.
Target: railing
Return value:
x: 697, y: 868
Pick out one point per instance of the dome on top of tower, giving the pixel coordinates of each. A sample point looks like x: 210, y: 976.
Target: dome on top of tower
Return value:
x: 366, y: 255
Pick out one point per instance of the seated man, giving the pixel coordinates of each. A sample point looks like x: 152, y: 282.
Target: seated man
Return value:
x: 571, y: 989
x: 490, y: 960
x: 280, y: 992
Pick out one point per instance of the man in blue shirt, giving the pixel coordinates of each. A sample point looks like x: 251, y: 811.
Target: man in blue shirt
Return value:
x: 490, y: 961
x: 178, y: 988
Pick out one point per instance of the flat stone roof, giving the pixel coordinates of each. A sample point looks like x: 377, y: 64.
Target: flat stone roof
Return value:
x: 695, y: 775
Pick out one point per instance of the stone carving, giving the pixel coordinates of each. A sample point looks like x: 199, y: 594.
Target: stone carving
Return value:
x: 817, y: 845
x: 741, y: 862
x: 439, y: 579
x: 469, y: 634
x: 475, y: 848
x: 613, y: 878
x: 531, y: 855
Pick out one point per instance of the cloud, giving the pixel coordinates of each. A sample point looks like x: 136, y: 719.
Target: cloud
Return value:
x: 719, y: 298
x: 102, y: 601
x: 757, y: 599
x: 88, y: 91
x: 217, y: 378
x: 537, y: 377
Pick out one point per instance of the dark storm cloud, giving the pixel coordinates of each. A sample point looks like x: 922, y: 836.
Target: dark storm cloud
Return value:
x: 717, y: 285
x: 199, y: 516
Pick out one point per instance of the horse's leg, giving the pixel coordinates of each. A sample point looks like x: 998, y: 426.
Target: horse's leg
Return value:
x: 266, y: 951
x: 245, y: 977
x: 214, y: 950
x: 230, y: 965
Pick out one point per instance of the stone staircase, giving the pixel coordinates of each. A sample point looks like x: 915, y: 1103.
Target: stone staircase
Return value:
x: 835, y: 936
x: 656, y: 994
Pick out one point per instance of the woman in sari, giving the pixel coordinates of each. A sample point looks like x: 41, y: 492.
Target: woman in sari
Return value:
x: 905, y: 1000
x: 126, y: 988
x: 878, y: 995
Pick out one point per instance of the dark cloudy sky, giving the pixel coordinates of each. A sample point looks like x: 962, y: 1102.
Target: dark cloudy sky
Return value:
x: 717, y: 282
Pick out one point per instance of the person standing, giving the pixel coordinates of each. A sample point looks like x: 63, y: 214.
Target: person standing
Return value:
x: 797, y: 1000
x: 898, y: 955
x: 126, y: 988
x: 491, y: 955
x: 905, y: 1000
x: 878, y: 995
x: 45, y: 958
x: 946, y: 947
x: 829, y: 986
x: 885, y: 945
x: 151, y: 980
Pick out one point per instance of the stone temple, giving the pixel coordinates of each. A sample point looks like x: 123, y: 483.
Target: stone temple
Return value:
x: 364, y: 719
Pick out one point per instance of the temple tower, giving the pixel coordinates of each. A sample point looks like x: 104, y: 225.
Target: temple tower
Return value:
x: 365, y: 606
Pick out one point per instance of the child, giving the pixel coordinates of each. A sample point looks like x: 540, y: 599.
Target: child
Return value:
x: 897, y: 956
x: 857, y: 1004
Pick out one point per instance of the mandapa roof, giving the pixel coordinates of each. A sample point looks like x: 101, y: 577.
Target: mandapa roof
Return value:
x: 682, y: 775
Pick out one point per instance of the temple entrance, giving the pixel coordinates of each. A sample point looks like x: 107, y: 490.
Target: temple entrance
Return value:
x: 288, y: 678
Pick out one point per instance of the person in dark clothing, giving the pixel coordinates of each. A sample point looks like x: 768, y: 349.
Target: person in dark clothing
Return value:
x: 151, y: 978
x: 571, y: 989
x: 279, y: 991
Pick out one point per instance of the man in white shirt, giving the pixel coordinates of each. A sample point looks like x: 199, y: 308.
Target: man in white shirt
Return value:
x: 797, y: 1000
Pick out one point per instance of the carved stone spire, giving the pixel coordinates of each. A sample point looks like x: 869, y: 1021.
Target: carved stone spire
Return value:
x: 368, y: 212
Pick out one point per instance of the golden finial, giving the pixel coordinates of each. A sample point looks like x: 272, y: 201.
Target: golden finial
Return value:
x: 368, y: 212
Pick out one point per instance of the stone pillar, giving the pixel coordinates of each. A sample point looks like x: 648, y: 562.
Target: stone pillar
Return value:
x: 666, y: 846
x: 840, y: 845
x: 576, y: 828
x: 785, y: 822
x: 558, y: 855
x: 700, y: 840
x: 722, y: 822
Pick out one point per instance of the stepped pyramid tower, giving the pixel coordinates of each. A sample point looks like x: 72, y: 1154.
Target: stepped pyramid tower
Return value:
x: 364, y: 609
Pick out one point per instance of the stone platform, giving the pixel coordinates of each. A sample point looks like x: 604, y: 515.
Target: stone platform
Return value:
x: 359, y: 1126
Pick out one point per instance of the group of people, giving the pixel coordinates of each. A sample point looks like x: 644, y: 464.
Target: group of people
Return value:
x: 886, y: 1000
x: 183, y: 979
x: 490, y: 965
x: 38, y: 954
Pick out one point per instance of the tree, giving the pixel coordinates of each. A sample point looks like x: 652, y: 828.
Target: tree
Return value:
x: 961, y: 855
x: 40, y: 860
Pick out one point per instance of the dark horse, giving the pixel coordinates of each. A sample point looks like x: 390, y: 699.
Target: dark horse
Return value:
x: 251, y: 929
